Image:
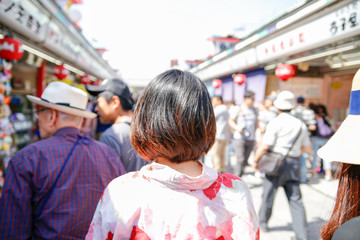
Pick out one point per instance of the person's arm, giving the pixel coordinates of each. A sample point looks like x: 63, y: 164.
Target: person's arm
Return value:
x: 233, y: 124
x: 116, y: 212
x: 312, y: 127
x: 248, y: 225
x: 306, y: 149
x: 306, y: 143
x: 258, y: 154
x: 112, y: 142
x: 310, y: 119
x: 103, y: 223
x: 16, y: 201
x: 234, y: 113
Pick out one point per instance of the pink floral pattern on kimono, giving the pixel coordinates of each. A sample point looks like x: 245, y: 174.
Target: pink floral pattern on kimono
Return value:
x: 158, y: 202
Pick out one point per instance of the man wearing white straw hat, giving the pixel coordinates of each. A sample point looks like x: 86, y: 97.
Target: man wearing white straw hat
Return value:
x: 52, y: 186
x: 343, y: 147
x: 288, y: 136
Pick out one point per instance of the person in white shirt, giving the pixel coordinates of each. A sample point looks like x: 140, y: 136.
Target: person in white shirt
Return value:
x: 280, y: 134
x: 222, y: 133
x: 243, y: 120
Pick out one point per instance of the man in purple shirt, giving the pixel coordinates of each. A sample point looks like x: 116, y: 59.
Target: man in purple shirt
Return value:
x: 52, y: 186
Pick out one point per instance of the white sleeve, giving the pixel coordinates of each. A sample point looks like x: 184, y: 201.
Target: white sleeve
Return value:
x: 270, y: 134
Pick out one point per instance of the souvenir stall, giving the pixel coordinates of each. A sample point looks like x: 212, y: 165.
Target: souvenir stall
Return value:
x: 10, y: 51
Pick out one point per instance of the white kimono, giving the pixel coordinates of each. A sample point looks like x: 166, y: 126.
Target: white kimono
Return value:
x: 160, y: 203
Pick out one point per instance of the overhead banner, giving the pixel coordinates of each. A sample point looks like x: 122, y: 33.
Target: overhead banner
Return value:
x: 339, y: 24
x: 25, y: 17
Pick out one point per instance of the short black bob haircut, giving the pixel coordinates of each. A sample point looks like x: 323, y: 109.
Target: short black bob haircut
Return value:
x: 173, y: 118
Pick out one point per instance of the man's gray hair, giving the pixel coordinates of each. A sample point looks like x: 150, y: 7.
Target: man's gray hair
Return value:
x: 65, y: 117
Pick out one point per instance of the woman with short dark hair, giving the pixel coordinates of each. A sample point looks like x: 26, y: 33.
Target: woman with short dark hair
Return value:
x: 174, y: 119
x: 175, y: 196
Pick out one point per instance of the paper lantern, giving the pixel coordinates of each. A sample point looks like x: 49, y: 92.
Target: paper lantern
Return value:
x: 7, y: 100
x: 11, y: 49
x: 216, y: 83
x: 97, y: 82
x: 60, y: 72
x: 239, y: 78
x: 285, y: 71
x: 85, y: 80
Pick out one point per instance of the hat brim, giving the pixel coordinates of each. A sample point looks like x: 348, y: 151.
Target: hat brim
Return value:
x: 343, y: 146
x: 61, y: 108
x: 95, y: 90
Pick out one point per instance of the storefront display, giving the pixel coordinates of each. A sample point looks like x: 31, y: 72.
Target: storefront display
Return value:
x: 6, y: 128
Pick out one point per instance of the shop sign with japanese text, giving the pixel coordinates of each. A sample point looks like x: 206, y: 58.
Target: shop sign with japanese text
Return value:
x: 339, y: 24
x: 24, y: 16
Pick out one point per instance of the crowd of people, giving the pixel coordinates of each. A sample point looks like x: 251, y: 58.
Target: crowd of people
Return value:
x: 145, y: 178
x: 241, y: 128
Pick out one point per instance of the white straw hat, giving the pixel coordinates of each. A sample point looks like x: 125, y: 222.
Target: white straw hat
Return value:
x: 285, y: 100
x: 64, y: 98
x: 343, y: 146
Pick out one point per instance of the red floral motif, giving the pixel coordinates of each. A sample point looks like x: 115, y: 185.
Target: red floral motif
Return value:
x: 211, y: 191
x: 91, y: 229
x: 151, y: 168
x: 146, y: 178
x: 136, y: 174
x: 225, y: 179
x: 110, y: 236
x: 227, y: 229
x: 138, y: 234
x: 167, y: 236
x: 258, y: 234
x: 209, y: 232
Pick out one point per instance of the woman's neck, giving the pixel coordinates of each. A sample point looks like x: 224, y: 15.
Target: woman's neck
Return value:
x: 189, y: 168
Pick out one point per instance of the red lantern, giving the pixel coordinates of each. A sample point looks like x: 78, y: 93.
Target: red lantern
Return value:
x: 11, y: 49
x: 239, y: 78
x: 285, y: 71
x: 61, y: 72
x: 216, y: 83
x: 85, y: 80
x: 7, y: 100
x: 96, y: 82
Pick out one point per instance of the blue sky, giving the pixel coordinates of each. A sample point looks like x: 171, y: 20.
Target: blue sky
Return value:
x: 142, y: 36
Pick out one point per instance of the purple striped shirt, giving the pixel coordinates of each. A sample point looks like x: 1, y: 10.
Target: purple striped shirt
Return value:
x: 70, y: 208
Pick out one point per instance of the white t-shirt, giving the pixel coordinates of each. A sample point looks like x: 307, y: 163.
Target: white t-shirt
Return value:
x: 222, y: 127
x: 118, y: 137
x: 245, y: 118
x: 282, y: 131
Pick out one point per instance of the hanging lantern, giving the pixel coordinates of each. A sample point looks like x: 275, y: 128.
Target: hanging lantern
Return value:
x: 239, y: 78
x: 11, y: 49
x: 60, y: 72
x: 96, y: 82
x: 216, y: 83
x: 285, y: 71
x: 7, y: 100
x: 85, y: 80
